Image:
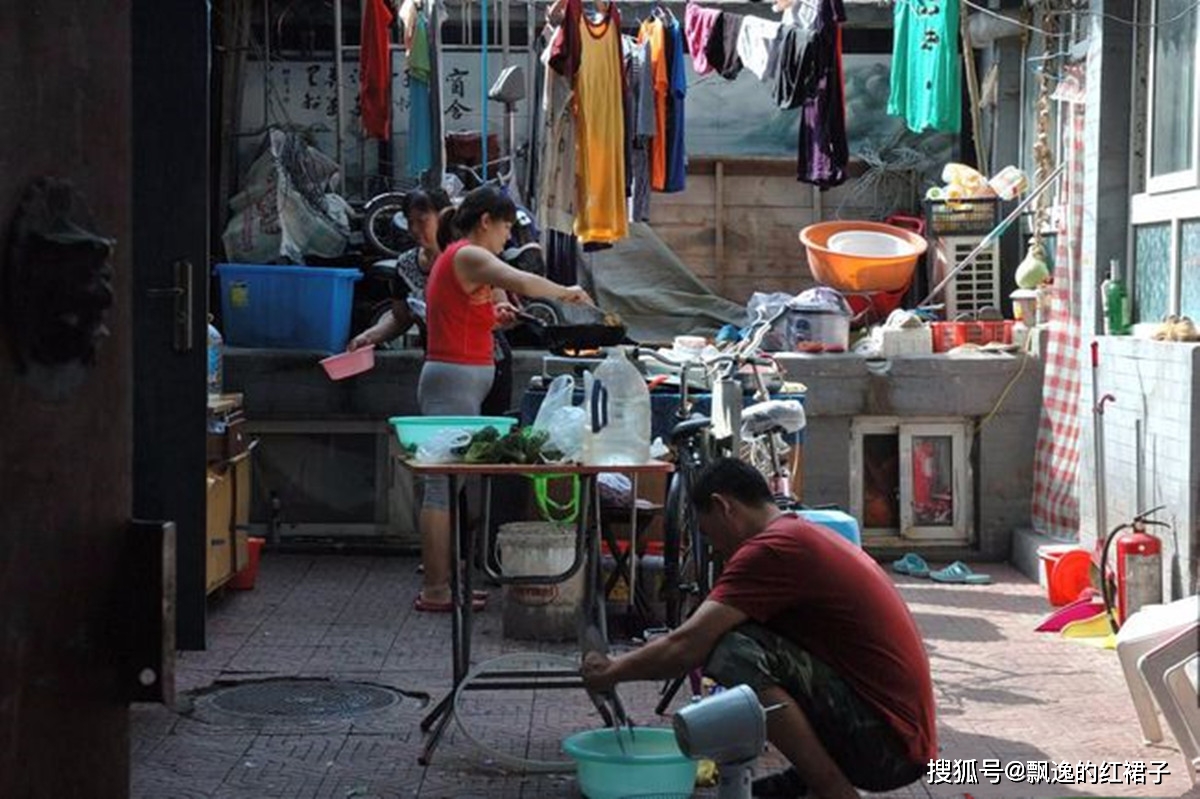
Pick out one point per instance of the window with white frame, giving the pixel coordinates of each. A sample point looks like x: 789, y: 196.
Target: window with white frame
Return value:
x: 1165, y: 214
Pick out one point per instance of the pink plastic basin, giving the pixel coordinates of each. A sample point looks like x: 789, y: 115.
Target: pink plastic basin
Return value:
x: 348, y: 364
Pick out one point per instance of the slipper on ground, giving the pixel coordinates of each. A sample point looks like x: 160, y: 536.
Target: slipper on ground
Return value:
x: 911, y: 564
x: 959, y: 572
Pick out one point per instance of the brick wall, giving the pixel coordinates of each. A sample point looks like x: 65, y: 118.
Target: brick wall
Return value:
x: 1155, y: 384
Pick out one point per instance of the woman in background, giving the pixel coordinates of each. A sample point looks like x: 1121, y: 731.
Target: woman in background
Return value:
x: 422, y: 212
x: 466, y: 300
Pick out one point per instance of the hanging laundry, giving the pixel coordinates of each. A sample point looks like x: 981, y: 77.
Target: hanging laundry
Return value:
x: 798, y: 12
x: 641, y: 127
x: 602, y: 214
x: 823, y: 153
x: 375, y: 74
x: 651, y: 31
x: 790, y: 87
x: 677, y: 79
x: 699, y: 22
x: 756, y: 41
x: 558, y: 185
x: 926, y: 77
x: 408, y: 18
x: 721, y: 50
x: 419, y: 142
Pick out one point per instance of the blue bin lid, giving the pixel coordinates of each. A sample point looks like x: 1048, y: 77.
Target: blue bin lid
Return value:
x: 232, y: 270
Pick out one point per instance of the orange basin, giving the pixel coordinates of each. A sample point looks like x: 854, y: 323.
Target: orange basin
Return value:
x: 848, y: 272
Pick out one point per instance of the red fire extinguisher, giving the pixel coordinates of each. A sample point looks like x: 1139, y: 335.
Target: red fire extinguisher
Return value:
x: 1139, y: 568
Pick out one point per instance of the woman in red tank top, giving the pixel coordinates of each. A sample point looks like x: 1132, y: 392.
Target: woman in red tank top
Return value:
x: 465, y: 299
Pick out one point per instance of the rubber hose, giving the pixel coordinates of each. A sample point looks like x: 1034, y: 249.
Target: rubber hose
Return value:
x: 519, y: 763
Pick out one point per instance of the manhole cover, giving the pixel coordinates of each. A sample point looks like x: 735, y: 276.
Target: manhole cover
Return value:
x: 304, y: 699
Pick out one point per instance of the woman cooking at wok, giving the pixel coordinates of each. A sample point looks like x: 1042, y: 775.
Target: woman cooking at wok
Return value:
x: 465, y: 299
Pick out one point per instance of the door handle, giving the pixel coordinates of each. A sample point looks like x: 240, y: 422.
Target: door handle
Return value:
x: 181, y: 292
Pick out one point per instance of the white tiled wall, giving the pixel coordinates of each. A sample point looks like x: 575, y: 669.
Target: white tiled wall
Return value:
x: 1154, y: 383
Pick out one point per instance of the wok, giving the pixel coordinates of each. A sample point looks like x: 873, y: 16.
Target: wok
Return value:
x: 565, y: 339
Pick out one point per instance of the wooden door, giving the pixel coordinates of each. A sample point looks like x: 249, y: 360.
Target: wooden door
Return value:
x: 66, y: 441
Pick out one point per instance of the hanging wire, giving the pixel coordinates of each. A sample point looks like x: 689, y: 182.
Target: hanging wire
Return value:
x: 1076, y: 12
x: 1011, y: 20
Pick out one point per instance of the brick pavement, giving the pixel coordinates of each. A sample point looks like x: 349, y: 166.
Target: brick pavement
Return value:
x: 1003, y: 691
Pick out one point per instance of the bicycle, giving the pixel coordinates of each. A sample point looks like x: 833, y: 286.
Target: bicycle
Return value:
x: 689, y: 563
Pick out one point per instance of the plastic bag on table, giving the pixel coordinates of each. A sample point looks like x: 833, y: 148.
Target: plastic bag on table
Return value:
x: 562, y: 421
x: 444, y: 446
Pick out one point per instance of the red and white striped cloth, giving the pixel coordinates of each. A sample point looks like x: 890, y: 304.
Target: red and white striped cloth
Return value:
x: 1055, y: 509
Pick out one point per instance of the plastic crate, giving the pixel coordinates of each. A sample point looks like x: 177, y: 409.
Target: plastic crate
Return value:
x: 286, y: 307
x: 977, y: 215
x: 948, y: 335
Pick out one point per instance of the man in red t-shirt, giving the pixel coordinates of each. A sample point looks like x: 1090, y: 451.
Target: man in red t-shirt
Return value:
x: 812, y: 623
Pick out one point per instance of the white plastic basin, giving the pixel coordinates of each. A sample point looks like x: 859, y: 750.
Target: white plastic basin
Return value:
x: 868, y: 243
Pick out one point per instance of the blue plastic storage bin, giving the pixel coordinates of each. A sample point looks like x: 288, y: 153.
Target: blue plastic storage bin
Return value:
x: 286, y: 307
x: 841, y: 523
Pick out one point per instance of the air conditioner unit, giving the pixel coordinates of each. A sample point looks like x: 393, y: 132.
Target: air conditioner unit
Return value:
x: 977, y: 286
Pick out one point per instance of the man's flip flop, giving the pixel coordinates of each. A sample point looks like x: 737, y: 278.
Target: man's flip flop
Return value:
x: 959, y: 572
x: 427, y: 606
x: 911, y: 564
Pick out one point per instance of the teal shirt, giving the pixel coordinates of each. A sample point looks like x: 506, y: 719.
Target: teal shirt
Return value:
x: 926, y: 69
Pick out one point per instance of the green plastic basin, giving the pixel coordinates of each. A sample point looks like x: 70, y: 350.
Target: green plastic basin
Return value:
x: 651, y: 763
x: 413, y: 431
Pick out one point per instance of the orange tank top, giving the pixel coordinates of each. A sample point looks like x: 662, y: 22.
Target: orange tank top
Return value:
x: 601, y: 215
x: 459, y: 325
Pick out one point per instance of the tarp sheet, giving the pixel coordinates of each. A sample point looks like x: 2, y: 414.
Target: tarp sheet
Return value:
x: 653, y: 292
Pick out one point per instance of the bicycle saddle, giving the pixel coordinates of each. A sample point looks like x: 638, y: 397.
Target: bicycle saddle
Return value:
x: 509, y: 86
x: 688, y: 429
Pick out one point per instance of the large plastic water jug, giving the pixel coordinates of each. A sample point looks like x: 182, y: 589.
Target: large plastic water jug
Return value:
x: 618, y: 406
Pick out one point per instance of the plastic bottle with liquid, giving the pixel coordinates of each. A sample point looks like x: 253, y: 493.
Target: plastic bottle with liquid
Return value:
x: 618, y: 413
x: 216, y: 356
x: 1115, y: 299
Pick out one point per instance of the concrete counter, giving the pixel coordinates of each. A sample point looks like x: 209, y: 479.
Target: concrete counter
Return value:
x: 326, y: 447
x: 290, y: 384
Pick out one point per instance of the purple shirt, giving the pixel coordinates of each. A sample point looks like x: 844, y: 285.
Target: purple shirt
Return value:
x: 822, y: 152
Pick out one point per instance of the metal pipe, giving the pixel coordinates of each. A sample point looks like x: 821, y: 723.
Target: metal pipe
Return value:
x: 266, y: 67
x: 483, y: 85
x: 339, y: 89
x: 533, y: 96
x: 994, y: 234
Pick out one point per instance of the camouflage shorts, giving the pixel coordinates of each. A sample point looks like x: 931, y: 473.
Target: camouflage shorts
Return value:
x: 868, y: 751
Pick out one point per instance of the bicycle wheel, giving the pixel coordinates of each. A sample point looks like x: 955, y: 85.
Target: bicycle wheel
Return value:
x: 686, y: 562
x: 379, y: 225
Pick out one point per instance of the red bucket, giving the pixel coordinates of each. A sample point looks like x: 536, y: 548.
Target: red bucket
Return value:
x: 244, y: 579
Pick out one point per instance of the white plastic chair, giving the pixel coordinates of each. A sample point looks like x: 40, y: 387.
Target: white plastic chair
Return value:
x: 1171, y: 657
x: 1184, y: 683
x: 1143, y: 631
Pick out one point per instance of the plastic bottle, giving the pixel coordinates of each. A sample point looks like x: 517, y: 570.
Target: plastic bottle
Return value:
x: 618, y: 407
x: 216, y: 370
x: 1115, y: 300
